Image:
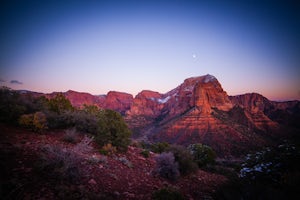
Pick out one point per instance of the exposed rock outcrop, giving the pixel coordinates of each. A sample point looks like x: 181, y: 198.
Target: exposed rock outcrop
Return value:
x: 200, y: 111
x: 118, y: 101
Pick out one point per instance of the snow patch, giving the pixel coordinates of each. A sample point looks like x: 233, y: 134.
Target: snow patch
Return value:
x: 188, y: 89
x: 161, y: 100
x: 209, y: 78
x: 164, y: 100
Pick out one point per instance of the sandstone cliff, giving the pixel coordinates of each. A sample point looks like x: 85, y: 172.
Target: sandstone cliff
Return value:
x: 200, y: 111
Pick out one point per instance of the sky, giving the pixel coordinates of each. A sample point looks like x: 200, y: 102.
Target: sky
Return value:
x: 128, y: 46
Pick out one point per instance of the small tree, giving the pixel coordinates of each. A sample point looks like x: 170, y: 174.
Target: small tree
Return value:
x: 11, y: 106
x: 160, y: 147
x: 202, y: 154
x: 184, y: 159
x: 90, y: 109
x: 60, y: 104
x: 112, y: 129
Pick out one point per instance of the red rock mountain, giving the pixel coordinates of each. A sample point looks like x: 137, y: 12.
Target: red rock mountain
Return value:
x: 118, y: 101
x: 200, y: 111
x: 78, y: 99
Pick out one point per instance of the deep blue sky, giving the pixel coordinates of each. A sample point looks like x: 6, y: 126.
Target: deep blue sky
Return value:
x: 97, y: 46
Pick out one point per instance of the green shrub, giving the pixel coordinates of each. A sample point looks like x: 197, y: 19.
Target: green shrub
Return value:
x: 271, y: 164
x: 202, y: 154
x: 167, y: 194
x: 84, y: 121
x: 184, y: 159
x: 60, y: 104
x: 112, y: 129
x: 79, y: 119
x: 160, y: 147
x: 11, y: 106
x: 37, y: 121
x: 272, y: 173
x: 90, y: 109
x: 145, y: 153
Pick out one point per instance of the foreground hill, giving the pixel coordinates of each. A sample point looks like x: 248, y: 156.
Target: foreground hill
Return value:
x: 46, y: 166
x: 200, y: 111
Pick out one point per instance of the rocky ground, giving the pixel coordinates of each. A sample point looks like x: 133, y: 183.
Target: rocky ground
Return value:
x: 24, y: 155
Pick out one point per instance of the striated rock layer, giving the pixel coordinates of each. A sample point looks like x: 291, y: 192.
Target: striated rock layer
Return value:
x: 200, y: 111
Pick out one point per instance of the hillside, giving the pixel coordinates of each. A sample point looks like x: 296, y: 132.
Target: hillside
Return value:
x: 94, y: 176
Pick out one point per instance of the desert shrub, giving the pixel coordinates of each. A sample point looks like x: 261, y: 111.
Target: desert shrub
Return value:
x: 202, y: 154
x: 70, y: 136
x: 166, y: 166
x: 108, y: 126
x: 37, y: 121
x: 59, y: 163
x: 145, y: 153
x: 84, y: 146
x: 11, y: 106
x: 90, y: 109
x: 112, y: 129
x: 160, y: 147
x: 40, y: 104
x: 167, y: 194
x: 60, y: 104
x: 108, y: 149
x: 270, y: 164
x: 84, y: 121
x: 272, y: 173
x: 184, y: 158
x: 26, y: 120
x: 58, y: 121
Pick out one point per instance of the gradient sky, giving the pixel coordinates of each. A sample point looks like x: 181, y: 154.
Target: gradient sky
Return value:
x: 128, y: 46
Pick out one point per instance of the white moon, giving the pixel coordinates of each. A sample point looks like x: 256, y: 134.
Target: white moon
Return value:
x: 194, y: 55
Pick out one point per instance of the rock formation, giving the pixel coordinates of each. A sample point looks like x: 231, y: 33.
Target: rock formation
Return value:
x: 200, y: 111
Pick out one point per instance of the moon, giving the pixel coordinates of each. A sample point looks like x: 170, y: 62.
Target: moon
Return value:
x: 194, y: 55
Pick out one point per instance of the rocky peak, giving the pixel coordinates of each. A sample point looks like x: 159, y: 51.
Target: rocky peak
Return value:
x: 148, y: 94
x: 78, y: 99
x: 208, y: 93
x: 251, y: 101
x: 146, y: 103
x: 204, y: 79
x: 203, y: 92
x: 118, y: 101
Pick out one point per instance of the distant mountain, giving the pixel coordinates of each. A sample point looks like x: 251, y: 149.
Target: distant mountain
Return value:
x: 200, y: 111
